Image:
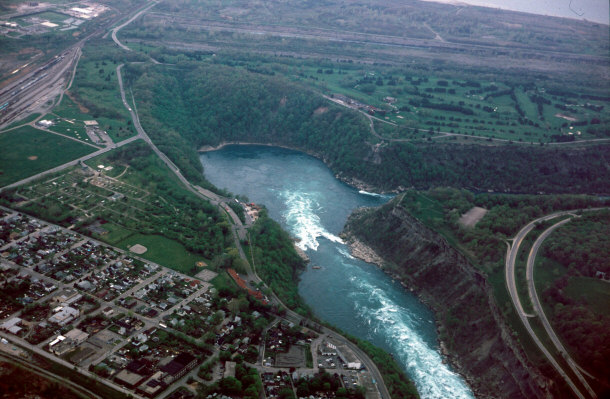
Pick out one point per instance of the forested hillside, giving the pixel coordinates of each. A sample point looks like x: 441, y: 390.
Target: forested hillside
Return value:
x: 186, y: 107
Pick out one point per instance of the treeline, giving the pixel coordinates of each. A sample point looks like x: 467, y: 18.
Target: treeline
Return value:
x: 189, y: 106
x: 583, y: 244
x: 277, y: 262
x: 442, y: 208
x: 200, y: 229
x: 586, y: 332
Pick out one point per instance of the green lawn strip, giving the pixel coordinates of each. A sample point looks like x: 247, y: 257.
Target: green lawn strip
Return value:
x: 26, y: 143
x: 498, y: 282
x: 22, y: 121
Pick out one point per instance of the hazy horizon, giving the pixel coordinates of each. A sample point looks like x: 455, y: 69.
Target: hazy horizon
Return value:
x: 591, y: 10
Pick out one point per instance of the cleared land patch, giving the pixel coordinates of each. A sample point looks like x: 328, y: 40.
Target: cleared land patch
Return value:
x: 163, y: 251
x: 27, y: 151
x: 471, y: 218
x: 138, y: 249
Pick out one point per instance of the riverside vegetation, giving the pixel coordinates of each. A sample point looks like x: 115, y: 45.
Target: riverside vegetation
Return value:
x: 189, y: 106
x: 246, y: 94
x: 407, y: 233
x: 192, y: 105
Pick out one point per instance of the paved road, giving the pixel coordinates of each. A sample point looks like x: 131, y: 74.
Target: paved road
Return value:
x: 540, y: 311
x: 118, y: 28
x: 240, y: 234
x: 44, y: 373
x: 511, y: 284
x: 440, y: 134
x: 69, y: 164
x: 32, y: 348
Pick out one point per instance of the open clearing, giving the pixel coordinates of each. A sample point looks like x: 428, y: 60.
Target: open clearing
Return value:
x: 138, y: 249
x: 472, y: 217
x: 33, y: 151
x: 163, y: 251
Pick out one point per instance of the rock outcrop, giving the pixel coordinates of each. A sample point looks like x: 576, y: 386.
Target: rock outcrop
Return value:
x: 473, y: 334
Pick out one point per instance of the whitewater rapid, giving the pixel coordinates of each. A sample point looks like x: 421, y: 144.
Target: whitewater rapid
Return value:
x: 371, y: 305
x: 303, y: 220
x: 304, y: 196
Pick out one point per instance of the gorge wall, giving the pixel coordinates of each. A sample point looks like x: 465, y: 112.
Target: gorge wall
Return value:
x: 472, y: 332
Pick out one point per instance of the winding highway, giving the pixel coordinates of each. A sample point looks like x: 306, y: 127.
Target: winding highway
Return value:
x: 240, y: 233
x: 511, y: 258
x: 531, y: 260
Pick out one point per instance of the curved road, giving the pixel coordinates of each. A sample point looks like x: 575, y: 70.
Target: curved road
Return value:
x: 540, y: 311
x: 118, y: 28
x: 46, y: 374
x: 511, y: 285
x: 240, y: 233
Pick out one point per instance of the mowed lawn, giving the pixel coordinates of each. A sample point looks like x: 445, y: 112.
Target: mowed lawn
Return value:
x: 27, y: 151
x: 163, y: 251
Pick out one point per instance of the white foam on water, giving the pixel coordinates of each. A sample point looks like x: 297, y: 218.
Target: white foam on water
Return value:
x: 303, y: 221
x: 433, y: 378
x: 345, y: 252
x: 374, y: 194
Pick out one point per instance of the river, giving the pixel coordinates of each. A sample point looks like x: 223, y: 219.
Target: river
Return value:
x: 302, y: 194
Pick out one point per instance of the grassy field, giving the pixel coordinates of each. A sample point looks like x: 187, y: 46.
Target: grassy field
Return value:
x: 419, y: 102
x: 163, y: 251
x: 34, y: 151
x: 22, y: 121
x: 94, y: 95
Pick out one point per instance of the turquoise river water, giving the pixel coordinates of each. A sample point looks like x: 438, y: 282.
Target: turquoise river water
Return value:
x: 302, y: 194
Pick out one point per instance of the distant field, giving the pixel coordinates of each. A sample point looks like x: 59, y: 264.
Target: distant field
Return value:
x: 27, y: 151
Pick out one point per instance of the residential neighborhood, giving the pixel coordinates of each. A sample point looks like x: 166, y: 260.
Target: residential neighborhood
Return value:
x: 147, y: 330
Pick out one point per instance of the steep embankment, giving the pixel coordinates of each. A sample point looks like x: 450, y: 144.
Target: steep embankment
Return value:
x: 471, y: 327
x: 187, y: 107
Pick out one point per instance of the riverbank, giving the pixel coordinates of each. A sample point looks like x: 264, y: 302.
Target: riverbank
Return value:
x: 349, y: 180
x: 472, y: 335
x: 301, y: 193
x: 362, y: 251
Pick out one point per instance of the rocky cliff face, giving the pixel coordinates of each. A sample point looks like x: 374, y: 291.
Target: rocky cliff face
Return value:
x: 472, y: 332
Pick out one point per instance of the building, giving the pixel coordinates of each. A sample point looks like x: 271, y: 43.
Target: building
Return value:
x: 129, y: 378
x: 77, y: 335
x: 68, y: 297
x: 178, y: 367
x: 354, y: 365
x: 64, y: 315
x: 153, y: 385
x: 12, y: 325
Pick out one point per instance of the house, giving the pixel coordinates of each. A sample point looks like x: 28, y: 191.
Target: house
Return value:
x: 85, y: 285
